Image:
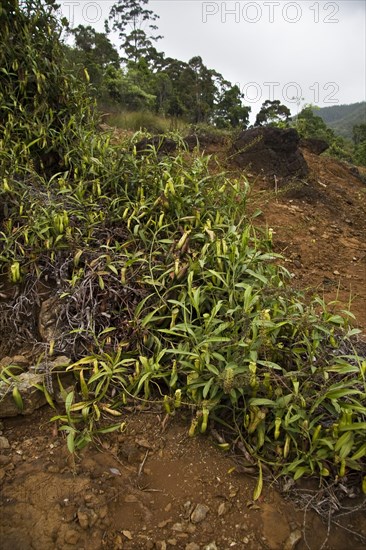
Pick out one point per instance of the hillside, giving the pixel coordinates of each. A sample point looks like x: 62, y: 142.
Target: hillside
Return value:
x: 150, y: 487
x: 342, y: 118
x: 172, y: 373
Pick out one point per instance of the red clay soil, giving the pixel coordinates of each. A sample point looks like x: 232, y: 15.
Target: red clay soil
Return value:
x: 320, y: 227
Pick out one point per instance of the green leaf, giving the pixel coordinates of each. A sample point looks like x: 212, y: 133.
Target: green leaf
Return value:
x: 259, y: 486
x: 71, y: 441
x: 354, y: 426
x: 262, y: 402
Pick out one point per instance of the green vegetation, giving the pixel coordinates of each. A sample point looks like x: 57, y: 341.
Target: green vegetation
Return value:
x: 309, y: 125
x: 166, y: 291
x: 147, y: 80
x: 342, y: 118
x: 273, y: 113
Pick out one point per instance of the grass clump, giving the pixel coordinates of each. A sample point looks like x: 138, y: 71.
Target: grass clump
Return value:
x: 146, y: 121
x: 166, y: 292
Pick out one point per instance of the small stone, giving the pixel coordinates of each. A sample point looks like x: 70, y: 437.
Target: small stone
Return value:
x: 188, y: 509
x: 245, y: 540
x: 117, y: 543
x: 164, y: 523
x: 293, y: 540
x: 172, y: 542
x: 160, y: 545
x: 131, y: 498
x: 312, y: 229
x: 72, y: 537
x: 4, y: 442
x: 4, y: 460
x: 199, y: 513
x: 144, y: 444
x: 127, y: 534
x: 87, y: 517
x: 53, y: 469
x: 115, y: 471
x: 336, y: 272
x: 20, y: 360
x: 221, y: 509
x: 83, y: 519
x: 192, y: 546
x: 103, y: 511
x: 178, y: 527
x: 168, y: 507
x: 211, y: 546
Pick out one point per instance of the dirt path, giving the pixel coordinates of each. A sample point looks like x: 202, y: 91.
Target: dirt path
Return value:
x: 151, y: 487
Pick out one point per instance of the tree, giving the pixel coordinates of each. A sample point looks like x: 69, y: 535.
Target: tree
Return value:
x: 359, y: 138
x: 230, y: 111
x: 359, y: 133
x: 96, y: 45
x: 94, y: 52
x: 124, y: 89
x: 135, y: 25
x: 309, y: 125
x: 273, y: 113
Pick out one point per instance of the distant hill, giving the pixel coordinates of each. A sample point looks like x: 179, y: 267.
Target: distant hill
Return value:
x: 342, y: 118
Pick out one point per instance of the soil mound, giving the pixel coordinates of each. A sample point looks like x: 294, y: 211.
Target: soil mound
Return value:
x: 270, y: 151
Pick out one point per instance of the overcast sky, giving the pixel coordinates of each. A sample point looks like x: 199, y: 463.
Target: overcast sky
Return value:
x: 313, y: 50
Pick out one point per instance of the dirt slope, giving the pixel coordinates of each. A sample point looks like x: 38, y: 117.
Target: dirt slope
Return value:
x: 320, y: 227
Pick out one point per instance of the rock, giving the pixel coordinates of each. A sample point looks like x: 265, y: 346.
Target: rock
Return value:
x: 313, y: 145
x: 87, y: 517
x: 164, y: 523
x: 18, y: 360
x: 293, y: 540
x: 32, y: 398
x: 83, y: 518
x: 160, y: 545
x: 4, y: 460
x: 71, y: 537
x: 130, y: 498
x: 192, y: 546
x: 199, y: 513
x: 103, y: 511
x: 221, y: 509
x: 161, y: 144
x: 144, y: 444
x: 48, y: 320
x: 270, y: 151
x: 179, y: 527
x: 211, y: 546
x: 4, y: 442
